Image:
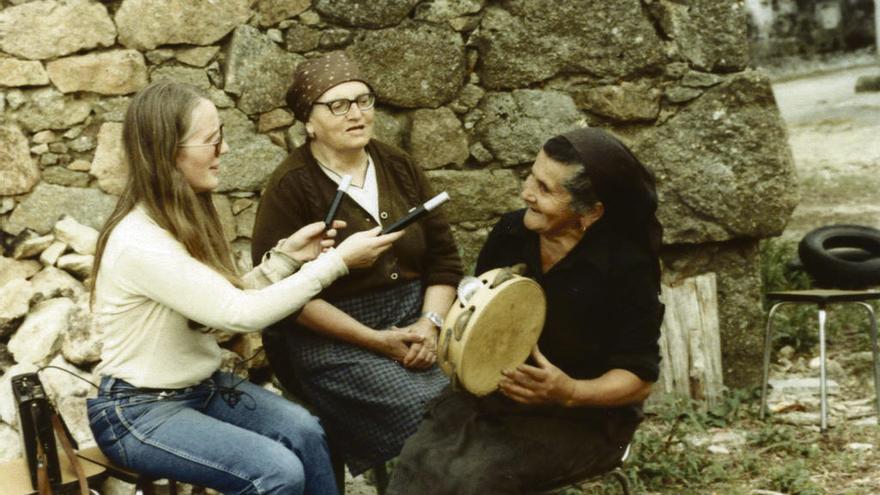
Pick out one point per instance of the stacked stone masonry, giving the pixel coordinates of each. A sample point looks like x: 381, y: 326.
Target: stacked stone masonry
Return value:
x: 470, y: 88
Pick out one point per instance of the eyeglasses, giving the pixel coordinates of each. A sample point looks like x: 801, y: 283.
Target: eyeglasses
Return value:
x: 343, y: 105
x: 217, y: 145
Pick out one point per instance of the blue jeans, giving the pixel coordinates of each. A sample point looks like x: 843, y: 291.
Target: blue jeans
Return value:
x: 258, y: 444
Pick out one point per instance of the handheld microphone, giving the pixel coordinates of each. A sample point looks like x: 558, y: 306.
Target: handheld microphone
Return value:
x: 417, y: 213
x: 340, y: 192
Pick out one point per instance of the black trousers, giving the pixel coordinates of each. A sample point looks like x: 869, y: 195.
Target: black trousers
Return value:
x: 468, y: 445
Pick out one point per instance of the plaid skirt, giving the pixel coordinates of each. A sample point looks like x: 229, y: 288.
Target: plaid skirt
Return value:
x: 369, y: 404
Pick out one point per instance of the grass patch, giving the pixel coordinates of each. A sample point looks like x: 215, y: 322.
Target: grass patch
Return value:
x: 789, y: 459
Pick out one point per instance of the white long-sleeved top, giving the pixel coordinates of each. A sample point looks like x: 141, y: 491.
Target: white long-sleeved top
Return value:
x: 149, y: 286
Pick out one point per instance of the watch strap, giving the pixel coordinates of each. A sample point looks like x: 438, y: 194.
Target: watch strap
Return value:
x: 434, y: 318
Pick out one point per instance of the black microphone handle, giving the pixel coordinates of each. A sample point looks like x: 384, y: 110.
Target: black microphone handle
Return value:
x: 409, y: 218
x: 328, y: 220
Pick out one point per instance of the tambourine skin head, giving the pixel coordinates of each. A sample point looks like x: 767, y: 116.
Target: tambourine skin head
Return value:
x: 503, y: 324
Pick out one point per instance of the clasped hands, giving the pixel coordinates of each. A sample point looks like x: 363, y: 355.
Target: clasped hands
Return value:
x: 414, y: 346
x: 540, y: 384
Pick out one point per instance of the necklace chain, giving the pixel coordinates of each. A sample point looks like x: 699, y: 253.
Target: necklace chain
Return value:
x: 333, y: 171
x: 328, y: 167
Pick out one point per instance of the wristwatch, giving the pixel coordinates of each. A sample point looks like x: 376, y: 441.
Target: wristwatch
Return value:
x: 434, y: 318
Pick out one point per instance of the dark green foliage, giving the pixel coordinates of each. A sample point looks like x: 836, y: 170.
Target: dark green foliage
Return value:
x: 797, y: 325
x: 789, y: 459
x: 793, y: 478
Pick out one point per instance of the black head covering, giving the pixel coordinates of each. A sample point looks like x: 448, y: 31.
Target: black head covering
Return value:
x: 622, y: 183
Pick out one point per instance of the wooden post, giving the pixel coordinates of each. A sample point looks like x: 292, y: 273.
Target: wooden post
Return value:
x: 690, y: 342
x: 709, y: 340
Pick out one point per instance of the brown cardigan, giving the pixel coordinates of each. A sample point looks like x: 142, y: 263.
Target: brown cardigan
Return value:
x: 299, y: 193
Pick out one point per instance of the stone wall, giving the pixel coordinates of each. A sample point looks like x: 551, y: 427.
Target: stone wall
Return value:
x: 471, y: 88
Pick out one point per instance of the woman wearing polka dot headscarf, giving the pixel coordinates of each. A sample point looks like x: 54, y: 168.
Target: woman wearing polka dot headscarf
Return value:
x: 364, y: 354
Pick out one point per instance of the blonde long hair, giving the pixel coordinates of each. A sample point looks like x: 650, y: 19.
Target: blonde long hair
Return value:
x: 157, y: 120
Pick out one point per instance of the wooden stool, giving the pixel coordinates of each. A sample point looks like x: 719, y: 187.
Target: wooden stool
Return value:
x: 16, y: 480
x: 821, y: 298
x: 143, y: 484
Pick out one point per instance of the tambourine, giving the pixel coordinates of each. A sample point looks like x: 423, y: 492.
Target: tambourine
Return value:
x: 492, y: 326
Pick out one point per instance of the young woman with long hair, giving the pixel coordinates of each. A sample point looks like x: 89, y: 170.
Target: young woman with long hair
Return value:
x: 163, y: 275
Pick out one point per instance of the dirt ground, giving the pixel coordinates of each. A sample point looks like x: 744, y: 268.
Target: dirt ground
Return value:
x: 834, y: 134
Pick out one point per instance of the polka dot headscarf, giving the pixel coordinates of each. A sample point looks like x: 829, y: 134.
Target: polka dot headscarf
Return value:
x: 315, y: 76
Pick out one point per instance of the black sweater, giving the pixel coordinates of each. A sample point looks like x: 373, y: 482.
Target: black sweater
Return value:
x: 603, y: 310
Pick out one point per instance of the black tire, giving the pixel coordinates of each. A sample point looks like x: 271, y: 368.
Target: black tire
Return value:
x: 842, y: 256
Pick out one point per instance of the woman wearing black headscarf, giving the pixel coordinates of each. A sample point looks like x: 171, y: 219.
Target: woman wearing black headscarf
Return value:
x: 590, y: 237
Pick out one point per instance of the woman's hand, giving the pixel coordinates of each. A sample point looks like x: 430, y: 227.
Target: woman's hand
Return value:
x: 422, y: 355
x: 395, y: 343
x: 307, y: 243
x: 361, y: 249
x: 542, y: 384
